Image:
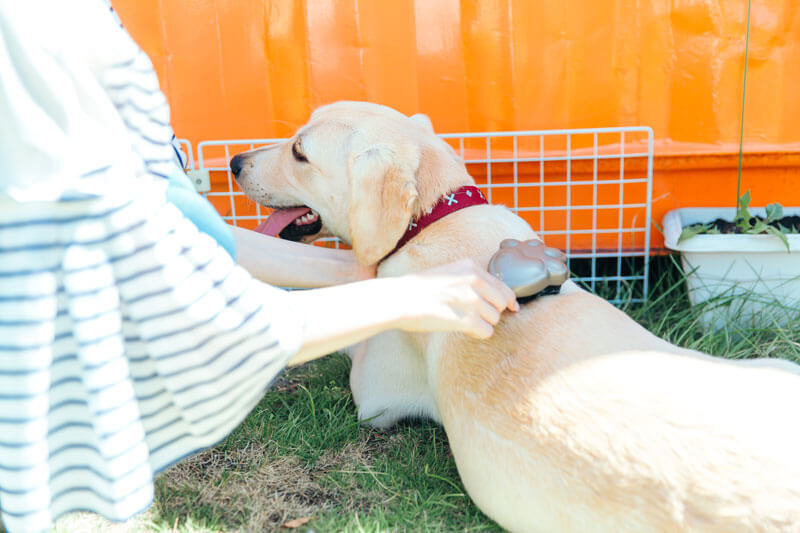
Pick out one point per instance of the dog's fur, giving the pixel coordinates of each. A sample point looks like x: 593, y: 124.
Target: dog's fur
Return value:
x: 571, y: 417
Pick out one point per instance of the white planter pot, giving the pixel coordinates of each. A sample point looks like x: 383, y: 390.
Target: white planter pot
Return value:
x: 750, y: 279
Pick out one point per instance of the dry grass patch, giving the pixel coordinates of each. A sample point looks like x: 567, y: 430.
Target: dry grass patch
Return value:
x: 249, y: 489
x: 85, y: 522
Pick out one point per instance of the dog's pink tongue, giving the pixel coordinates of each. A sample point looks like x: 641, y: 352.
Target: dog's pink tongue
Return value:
x: 279, y: 219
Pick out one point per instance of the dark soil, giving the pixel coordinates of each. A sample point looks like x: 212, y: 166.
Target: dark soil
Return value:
x: 790, y: 222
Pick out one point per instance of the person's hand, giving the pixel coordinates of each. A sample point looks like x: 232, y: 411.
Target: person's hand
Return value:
x: 458, y: 296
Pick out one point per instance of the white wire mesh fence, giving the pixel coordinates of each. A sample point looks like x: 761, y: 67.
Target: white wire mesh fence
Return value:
x: 586, y: 191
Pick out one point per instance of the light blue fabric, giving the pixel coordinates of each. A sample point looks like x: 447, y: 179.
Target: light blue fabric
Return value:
x: 182, y: 194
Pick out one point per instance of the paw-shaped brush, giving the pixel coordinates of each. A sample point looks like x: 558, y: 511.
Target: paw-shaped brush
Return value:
x: 529, y: 267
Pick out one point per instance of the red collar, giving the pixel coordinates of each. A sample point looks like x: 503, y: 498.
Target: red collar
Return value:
x: 466, y: 196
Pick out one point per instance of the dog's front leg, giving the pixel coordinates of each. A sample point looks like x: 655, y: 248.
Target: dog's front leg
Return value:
x: 389, y: 380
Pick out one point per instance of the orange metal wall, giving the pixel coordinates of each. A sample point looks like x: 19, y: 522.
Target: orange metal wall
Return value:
x: 256, y: 68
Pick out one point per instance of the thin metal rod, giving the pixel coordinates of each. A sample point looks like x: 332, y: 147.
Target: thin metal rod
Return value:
x: 744, y: 92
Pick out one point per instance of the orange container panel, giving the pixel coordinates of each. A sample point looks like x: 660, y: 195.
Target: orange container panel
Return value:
x: 257, y: 68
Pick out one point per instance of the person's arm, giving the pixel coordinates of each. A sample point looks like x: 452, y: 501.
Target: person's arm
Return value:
x: 455, y: 297
x: 290, y: 264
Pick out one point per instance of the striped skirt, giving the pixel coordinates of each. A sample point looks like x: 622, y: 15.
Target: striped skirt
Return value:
x: 128, y: 340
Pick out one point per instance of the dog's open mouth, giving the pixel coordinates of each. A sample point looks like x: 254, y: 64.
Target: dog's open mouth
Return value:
x: 293, y: 223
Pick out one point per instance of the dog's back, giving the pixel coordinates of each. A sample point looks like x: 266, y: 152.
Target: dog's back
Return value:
x: 606, y: 430
x: 572, y: 417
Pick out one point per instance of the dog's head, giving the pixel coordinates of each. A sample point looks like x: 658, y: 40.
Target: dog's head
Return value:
x: 358, y: 171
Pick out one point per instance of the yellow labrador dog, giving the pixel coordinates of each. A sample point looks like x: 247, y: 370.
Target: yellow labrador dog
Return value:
x: 571, y: 417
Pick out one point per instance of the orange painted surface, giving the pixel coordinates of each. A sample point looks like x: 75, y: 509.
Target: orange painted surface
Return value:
x: 256, y: 68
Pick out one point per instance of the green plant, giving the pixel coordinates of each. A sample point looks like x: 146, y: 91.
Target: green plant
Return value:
x: 746, y: 223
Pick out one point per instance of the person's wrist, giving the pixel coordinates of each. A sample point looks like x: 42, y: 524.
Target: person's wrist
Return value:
x: 393, y: 300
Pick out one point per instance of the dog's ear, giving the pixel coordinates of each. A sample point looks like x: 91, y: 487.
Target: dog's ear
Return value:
x: 423, y: 120
x: 383, y: 198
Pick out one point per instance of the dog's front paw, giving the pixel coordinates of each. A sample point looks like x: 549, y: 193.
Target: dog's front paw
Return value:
x: 377, y: 418
x: 382, y: 416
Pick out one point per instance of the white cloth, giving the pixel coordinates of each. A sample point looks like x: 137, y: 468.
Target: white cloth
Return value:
x: 128, y: 339
x: 77, y: 96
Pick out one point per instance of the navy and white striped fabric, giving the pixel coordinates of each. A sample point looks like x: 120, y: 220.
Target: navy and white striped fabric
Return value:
x: 128, y: 339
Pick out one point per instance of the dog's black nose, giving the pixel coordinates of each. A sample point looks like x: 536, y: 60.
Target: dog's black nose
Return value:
x: 236, y: 164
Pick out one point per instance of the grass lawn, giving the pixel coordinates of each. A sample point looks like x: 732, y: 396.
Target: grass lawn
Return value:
x: 301, y: 453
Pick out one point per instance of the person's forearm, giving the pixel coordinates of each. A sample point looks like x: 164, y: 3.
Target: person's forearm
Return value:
x: 337, y: 317
x: 290, y: 264
x: 455, y: 297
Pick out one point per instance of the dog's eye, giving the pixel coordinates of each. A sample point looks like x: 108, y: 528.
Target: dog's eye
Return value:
x: 299, y: 156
